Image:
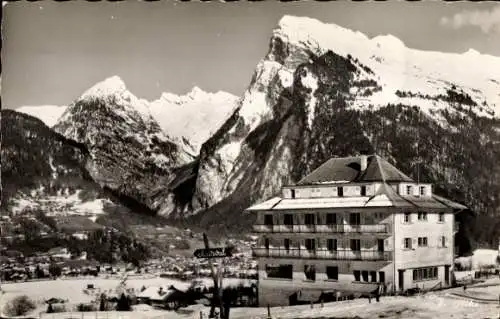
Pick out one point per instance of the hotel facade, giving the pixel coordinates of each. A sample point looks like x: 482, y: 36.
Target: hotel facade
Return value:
x: 353, y: 226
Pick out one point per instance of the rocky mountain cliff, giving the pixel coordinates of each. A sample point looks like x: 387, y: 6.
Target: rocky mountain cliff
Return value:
x: 188, y: 119
x: 323, y: 91
x: 129, y: 153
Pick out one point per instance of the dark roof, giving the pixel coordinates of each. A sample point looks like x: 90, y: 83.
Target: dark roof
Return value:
x: 348, y: 169
x: 77, y: 223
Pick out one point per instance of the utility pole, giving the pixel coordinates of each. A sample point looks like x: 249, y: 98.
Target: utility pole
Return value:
x: 216, y: 296
x: 217, y: 275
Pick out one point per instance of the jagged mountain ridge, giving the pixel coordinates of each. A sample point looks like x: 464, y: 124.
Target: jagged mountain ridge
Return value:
x: 129, y: 153
x: 194, y: 116
x: 188, y: 119
x: 324, y: 91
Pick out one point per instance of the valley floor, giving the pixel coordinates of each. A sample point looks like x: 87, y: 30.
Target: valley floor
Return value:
x: 442, y: 304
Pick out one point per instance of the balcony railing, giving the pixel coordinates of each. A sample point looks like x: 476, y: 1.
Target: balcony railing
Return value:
x: 370, y: 255
x: 302, y: 228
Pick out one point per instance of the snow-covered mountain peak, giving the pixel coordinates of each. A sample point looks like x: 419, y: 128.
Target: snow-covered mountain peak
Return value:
x: 311, y: 32
x: 388, y: 42
x: 198, y: 114
x: 110, y: 86
x: 472, y: 52
x: 397, y: 66
x: 196, y: 92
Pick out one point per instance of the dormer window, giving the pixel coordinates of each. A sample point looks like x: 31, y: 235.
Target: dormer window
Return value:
x: 340, y: 191
x: 422, y: 190
x: 409, y: 190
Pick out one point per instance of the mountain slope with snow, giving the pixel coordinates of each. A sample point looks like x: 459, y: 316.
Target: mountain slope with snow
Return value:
x: 49, y: 114
x: 42, y: 170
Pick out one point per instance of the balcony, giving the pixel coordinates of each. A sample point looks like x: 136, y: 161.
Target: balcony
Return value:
x: 377, y: 228
x: 297, y: 253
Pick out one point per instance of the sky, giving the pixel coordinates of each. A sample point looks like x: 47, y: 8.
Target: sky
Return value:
x: 53, y: 51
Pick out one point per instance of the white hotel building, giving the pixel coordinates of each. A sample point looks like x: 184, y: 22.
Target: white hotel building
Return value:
x: 352, y: 226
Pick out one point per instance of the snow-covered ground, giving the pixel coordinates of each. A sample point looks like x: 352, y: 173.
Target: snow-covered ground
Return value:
x: 433, y: 305
x: 61, y: 204
x: 73, y: 289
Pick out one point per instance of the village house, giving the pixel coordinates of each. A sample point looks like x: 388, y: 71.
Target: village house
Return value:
x: 166, y: 298
x: 355, y: 225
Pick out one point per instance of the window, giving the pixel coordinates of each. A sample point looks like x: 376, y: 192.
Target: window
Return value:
x: 441, y: 217
x: 266, y: 243
x: 407, y: 218
x: 279, y: 271
x: 268, y: 220
x: 355, y: 244
x: 357, y: 275
x: 422, y: 216
x: 316, y: 192
x: 364, y: 275
x: 331, y: 219
x: 407, y: 243
x: 355, y: 218
x: 422, y: 190
x: 340, y: 191
x: 292, y: 191
x: 442, y: 241
x: 363, y: 190
x: 332, y: 272
x: 310, y: 244
x: 286, y: 243
x: 422, y: 241
x: 373, y: 276
x: 331, y: 244
x: 425, y: 273
x: 310, y: 272
x: 309, y: 219
x: 380, y: 245
x: 381, y: 276
x: 288, y: 220
x: 409, y: 190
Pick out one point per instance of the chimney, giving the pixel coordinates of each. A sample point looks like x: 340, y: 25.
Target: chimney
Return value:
x: 363, y: 162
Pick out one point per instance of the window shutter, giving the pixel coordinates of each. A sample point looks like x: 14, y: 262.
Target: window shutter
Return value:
x: 403, y: 243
